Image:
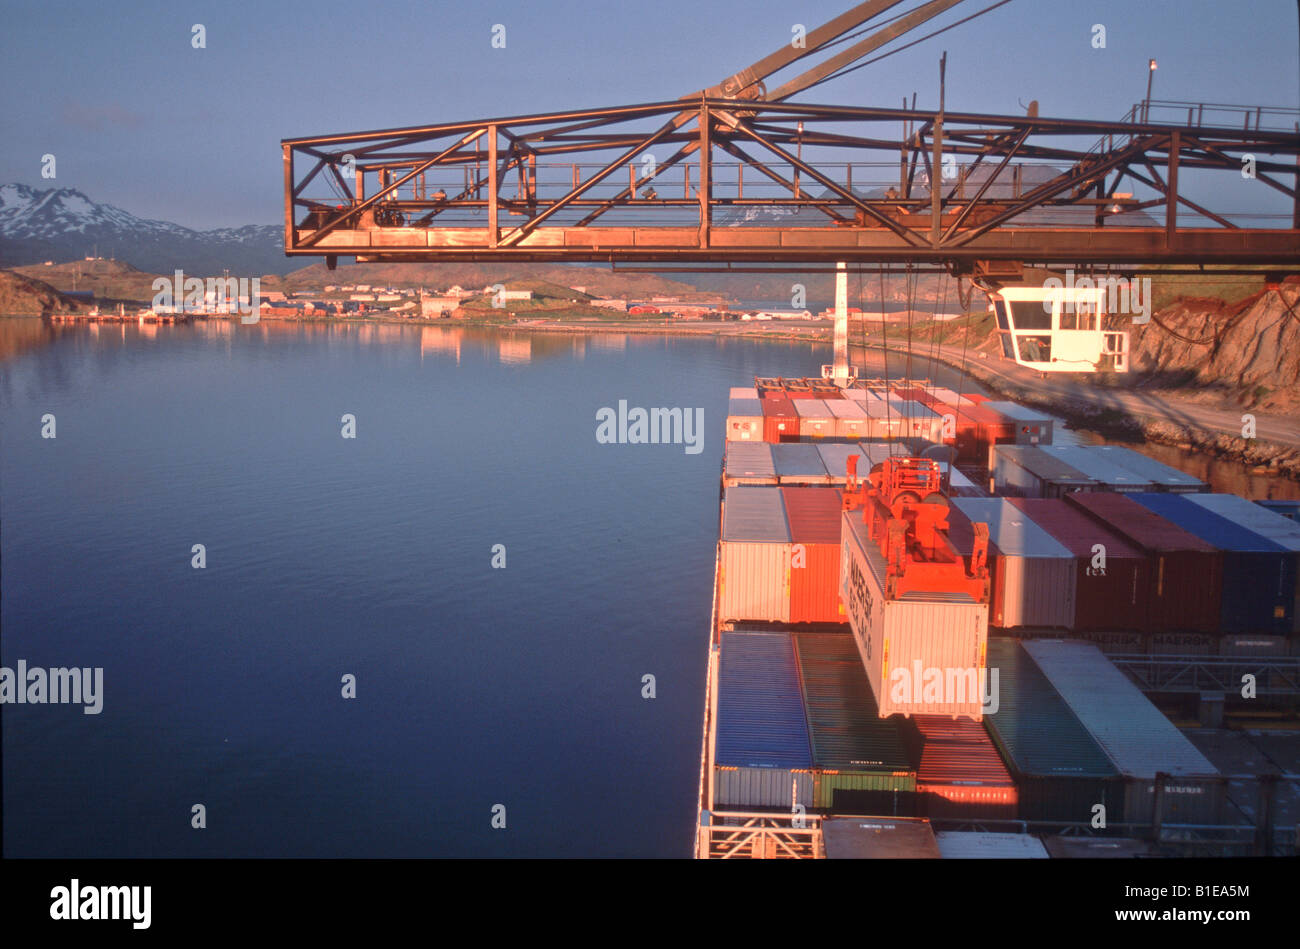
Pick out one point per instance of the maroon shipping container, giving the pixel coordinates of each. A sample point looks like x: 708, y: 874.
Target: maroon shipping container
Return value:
x: 1115, y: 594
x: 814, y: 517
x: 780, y: 420
x: 979, y: 428
x: 959, y: 774
x: 1186, y: 589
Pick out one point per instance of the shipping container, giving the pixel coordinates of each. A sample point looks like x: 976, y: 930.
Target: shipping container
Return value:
x: 884, y: 423
x: 1033, y: 576
x: 745, y: 420
x: 754, y: 577
x: 1187, y: 572
x: 860, y: 761
x: 815, y: 419
x: 813, y: 514
x: 740, y: 392
x: 877, y: 451
x: 1259, y: 575
x: 1113, y: 578
x: 799, y: 464
x: 959, y: 774
x: 1135, y: 735
x: 1033, y: 427
x: 1288, y: 509
x: 975, y: 430
x: 959, y: 485
x: 971, y: 845
x: 1266, y: 523
x: 762, y: 754
x: 1092, y: 463
x: 1059, y: 769
x: 1094, y: 848
x: 748, y: 463
x: 851, y: 419
x: 1026, y: 471
x: 856, y: 838
x: 908, y: 642
x: 835, y: 457
x: 780, y: 420
x: 918, y: 420
x: 1161, y: 475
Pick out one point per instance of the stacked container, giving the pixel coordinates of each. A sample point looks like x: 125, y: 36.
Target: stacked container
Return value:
x: 1095, y: 465
x: 754, y: 582
x: 762, y: 756
x: 1267, y: 523
x: 904, y: 641
x: 1112, y: 577
x: 918, y: 420
x: 814, y: 518
x: 958, y: 774
x: 815, y: 419
x: 972, y: 845
x: 740, y: 392
x: 851, y: 419
x: 1259, y: 575
x: 1059, y: 769
x: 745, y: 420
x: 860, y: 760
x: 1187, y: 573
x: 1134, y: 734
x: 1026, y: 471
x: 1162, y: 476
x: 856, y: 838
x: 1033, y: 574
x: 977, y: 429
x: 780, y: 420
x: 748, y: 463
x: 799, y: 464
x: 835, y: 458
x: 1032, y: 427
x: 885, y: 423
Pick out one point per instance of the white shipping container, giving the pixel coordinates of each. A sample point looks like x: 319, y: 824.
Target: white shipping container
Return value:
x: 851, y: 419
x: 815, y: 418
x: 748, y: 463
x: 745, y: 421
x: 739, y: 392
x: 754, y: 583
x: 924, y: 652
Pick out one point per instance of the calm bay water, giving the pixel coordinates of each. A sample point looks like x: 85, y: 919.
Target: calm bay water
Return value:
x: 370, y: 557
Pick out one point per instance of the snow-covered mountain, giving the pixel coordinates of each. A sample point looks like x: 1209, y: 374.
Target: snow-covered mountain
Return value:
x: 62, y: 224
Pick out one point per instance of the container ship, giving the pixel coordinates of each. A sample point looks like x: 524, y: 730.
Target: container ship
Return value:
x: 935, y: 633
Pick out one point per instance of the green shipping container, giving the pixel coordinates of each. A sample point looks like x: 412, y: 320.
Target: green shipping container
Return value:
x: 860, y: 762
x: 1059, y: 768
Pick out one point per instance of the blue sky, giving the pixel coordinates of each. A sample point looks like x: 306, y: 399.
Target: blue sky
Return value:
x: 138, y: 118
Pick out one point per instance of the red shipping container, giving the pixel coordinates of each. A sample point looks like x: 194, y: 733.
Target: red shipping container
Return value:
x: 780, y: 420
x: 975, y: 397
x: 1113, y: 596
x: 959, y: 774
x: 814, y: 517
x: 1186, y: 589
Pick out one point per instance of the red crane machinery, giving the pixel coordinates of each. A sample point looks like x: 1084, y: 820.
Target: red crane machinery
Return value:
x: 906, y: 515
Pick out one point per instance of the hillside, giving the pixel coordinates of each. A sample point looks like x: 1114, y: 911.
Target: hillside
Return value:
x: 23, y: 296
x: 1249, y: 350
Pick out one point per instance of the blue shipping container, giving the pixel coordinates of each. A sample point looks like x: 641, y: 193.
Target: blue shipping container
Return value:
x: 1259, y: 576
x: 761, y: 720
